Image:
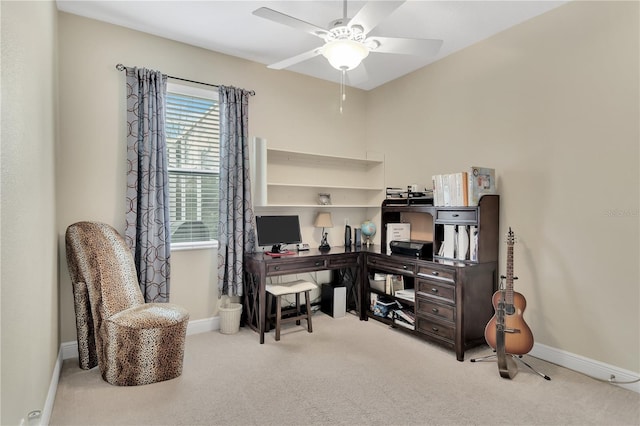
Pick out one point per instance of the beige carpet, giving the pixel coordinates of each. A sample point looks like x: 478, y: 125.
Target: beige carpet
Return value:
x: 346, y: 372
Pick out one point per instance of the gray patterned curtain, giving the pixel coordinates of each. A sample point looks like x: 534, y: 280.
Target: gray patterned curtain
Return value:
x: 237, y: 221
x: 148, y: 224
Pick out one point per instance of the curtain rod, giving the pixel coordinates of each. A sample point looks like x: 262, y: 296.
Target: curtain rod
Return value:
x: 121, y: 67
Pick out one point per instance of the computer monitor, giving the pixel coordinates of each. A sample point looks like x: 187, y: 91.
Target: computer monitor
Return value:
x: 277, y: 231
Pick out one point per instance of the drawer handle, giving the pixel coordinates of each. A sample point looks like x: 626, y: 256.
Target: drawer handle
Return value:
x: 277, y: 268
x: 404, y: 266
x: 455, y: 215
x: 435, y: 273
x: 434, y: 328
x: 434, y: 290
x: 434, y: 310
x: 318, y: 263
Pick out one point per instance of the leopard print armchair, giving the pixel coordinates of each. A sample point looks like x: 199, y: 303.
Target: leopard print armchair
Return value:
x: 133, y: 342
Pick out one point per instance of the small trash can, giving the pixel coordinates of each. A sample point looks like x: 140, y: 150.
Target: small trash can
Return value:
x: 230, y: 318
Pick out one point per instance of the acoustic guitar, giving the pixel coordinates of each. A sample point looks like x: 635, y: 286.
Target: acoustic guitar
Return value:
x: 518, y: 339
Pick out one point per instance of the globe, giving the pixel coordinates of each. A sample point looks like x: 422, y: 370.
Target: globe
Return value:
x: 368, y: 230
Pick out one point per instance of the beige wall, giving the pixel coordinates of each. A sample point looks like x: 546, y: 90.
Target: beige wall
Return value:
x: 29, y: 282
x: 552, y: 105
x: 289, y: 110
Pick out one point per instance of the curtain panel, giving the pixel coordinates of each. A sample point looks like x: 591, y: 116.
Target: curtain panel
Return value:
x: 236, y: 229
x: 147, y: 216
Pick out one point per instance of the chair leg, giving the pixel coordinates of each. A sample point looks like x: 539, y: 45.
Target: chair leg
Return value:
x: 306, y: 298
x: 269, y: 316
x: 298, y: 311
x: 278, y: 316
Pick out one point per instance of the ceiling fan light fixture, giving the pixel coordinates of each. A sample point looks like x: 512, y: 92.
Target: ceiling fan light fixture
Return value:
x: 344, y: 54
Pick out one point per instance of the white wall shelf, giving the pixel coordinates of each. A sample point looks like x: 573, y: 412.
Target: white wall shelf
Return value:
x: 275, y: 153
x: 320, y: 186
x: 295, y: 178
x: 318, y: 206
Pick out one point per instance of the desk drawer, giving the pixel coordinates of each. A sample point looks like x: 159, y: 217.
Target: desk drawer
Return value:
x: 386, y: 264
x: 303, y: 265
x: 342, y: 261
x: 433, y: 327
x: 457, y: 216
x: 425, y: 306
x: 435, y: 273
x: 434, y: 289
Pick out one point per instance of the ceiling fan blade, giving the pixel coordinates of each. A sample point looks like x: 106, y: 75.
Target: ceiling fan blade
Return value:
x: 286, y: 63
x: 407, y: 46
x: 281, y: 18
x: 374, y: 12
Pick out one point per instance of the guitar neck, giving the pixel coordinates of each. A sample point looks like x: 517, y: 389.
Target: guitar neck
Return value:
x: 509, y: 286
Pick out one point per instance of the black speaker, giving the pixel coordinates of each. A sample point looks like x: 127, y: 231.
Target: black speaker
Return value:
x: 333, y: 299
x: 357, y: 239
x: 347, y: 236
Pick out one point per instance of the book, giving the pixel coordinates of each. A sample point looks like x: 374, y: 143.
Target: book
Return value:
x: 402, y: 323
x: 446, y: 191
x: 397, y: 232
x: 438, y: 199
x: 449, y: 242
x: 462, y: 189
x: 451, y: 189
x: 463, y: 243
x: 481, y: 181
x: 405, y: 315
x: 473, y: 243
x: 407, y: 294
x: 394, y: 283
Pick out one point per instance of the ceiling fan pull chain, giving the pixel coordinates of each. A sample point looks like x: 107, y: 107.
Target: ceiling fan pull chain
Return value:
x: 343, y: 93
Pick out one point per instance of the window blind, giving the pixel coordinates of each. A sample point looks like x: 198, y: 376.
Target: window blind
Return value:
x: 193, y: 148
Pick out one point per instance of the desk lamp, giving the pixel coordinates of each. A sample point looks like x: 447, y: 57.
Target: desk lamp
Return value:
x: 323, y: 220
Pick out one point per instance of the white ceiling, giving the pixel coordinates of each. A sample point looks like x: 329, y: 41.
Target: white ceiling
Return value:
x: 229, y: 27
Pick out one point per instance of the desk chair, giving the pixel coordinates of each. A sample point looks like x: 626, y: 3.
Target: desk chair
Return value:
x: 283, y: 289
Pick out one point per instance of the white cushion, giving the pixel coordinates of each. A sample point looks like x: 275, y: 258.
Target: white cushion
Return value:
x: 290, y: 287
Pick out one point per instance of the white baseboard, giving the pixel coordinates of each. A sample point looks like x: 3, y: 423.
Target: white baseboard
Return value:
x: 53, y: 387
x: 203, y: 325
x: 589, y: 367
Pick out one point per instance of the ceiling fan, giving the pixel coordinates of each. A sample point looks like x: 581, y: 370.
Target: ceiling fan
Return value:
x: 346, y: 42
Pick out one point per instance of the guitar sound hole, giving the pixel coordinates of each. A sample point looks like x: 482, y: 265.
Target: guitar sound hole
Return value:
x: 510, y: 310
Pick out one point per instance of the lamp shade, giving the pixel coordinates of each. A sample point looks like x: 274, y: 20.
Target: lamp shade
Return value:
x: 344, y: 54
x: 323, y: 220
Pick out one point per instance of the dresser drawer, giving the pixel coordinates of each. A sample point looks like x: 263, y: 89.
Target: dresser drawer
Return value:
x: 457, y: 216
x: 305, y: 265
x: 425, y: 306
x: 442, y: 291
x: 432, y: 327
x: 398, y: 265
x: 440, y: 274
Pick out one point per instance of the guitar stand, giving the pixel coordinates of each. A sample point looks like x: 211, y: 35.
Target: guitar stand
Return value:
x: 493, y: 357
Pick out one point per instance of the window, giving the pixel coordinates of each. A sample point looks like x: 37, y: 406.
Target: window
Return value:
x: 193, y: 153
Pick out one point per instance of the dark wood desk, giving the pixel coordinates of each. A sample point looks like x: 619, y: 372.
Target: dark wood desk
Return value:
x: 259, y: 266
x: 453, y: 299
